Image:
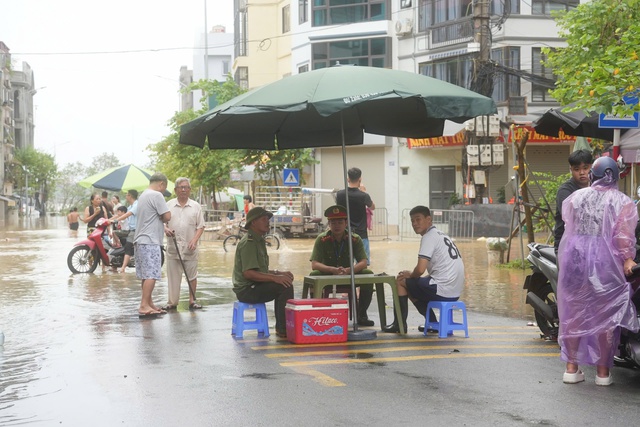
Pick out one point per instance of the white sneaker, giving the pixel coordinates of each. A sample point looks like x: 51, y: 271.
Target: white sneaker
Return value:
x: 604, y: 381
x: 574, y: 378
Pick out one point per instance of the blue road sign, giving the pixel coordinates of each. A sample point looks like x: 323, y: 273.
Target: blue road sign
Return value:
x: 291, y: 177
x: 626, y: 122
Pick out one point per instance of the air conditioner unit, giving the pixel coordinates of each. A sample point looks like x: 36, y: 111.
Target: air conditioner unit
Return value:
x: 404, y: 27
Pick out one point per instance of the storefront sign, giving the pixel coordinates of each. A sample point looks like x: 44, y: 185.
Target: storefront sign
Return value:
x: 536, y: 138
x: 457, y: 140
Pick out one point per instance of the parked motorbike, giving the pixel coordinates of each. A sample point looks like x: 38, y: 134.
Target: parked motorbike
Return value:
x: 88, y: 253
x: 542, y: 286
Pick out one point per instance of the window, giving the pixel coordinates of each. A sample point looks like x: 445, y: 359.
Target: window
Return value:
x: 241, y: 36
x: 540, y: 92
x: 242, y: 77
x: 498, y: 7
x: 506, y: 85
x: 544, y: 7
x: 286, y: 19
x: 303, y: 11
x: 333, y: 12
x: 365, y: 52
x: 303, y: 68
x: 225, y: 67
x: 433, y: 12
x: 456, y: 70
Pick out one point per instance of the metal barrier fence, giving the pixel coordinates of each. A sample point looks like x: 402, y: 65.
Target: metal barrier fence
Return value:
x: 455, y: 223
x: 380, y: 224
x: 220, y: 224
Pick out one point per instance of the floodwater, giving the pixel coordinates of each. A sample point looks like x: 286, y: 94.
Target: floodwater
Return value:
x: 47, y: 314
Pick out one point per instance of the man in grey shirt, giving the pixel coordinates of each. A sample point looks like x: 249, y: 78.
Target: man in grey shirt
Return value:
x: 153, y: 213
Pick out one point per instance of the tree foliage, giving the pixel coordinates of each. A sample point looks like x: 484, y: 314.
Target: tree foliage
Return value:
x: 36, y: 170
x: 212, y: 168
x: 600, y: 64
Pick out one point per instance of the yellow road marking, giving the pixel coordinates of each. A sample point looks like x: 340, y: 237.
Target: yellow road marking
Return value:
x: 319, y: 377
x: 412, y: 358
x: 384, y: 341
x: 394, y: 349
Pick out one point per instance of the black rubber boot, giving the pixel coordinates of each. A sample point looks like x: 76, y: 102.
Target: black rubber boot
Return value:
x: 404, y: 310
x: 363, y: 304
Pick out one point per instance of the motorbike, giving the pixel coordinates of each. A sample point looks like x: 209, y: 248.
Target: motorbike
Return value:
x: 88, y: 253
x: 629, y: 349
x: 542, y: 285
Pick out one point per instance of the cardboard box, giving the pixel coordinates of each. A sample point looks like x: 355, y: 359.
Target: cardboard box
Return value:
x: 317, y: 320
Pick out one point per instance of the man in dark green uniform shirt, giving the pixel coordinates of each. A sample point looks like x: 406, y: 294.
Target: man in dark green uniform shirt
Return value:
x: 253, y: 282
x: 331, y: 256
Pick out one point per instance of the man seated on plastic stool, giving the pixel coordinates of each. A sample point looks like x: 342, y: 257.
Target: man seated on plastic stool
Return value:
x: 253, y: 281
x: 331, y: 256
x: 440, y: 256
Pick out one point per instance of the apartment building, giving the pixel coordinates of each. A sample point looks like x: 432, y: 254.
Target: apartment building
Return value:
x: 490, y: 46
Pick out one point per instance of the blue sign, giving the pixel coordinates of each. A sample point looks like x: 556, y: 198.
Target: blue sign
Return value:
x: 626, y: 122
x: 291, y: 177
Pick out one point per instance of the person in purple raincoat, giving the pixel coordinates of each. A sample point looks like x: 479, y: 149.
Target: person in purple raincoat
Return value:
x: 595, y: 253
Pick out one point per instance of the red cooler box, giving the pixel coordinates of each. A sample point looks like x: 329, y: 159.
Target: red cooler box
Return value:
x: 317, y: 320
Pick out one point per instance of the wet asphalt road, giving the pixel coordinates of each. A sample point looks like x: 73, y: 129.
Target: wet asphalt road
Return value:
x: 75, y: 353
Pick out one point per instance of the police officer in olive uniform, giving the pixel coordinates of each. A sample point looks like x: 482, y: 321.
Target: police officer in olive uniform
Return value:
x: 253, y: 282
x: 331, y: 256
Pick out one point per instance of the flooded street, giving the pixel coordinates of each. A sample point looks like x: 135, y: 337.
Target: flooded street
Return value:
x: 58, y: 326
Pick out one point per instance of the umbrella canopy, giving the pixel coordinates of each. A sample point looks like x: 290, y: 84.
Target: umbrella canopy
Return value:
x: 301, y: 110
x: 334, y: 106
x: 577, y: 123
x: 121, y: 178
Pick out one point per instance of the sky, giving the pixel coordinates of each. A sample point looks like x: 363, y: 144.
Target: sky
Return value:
x: 89, y: 102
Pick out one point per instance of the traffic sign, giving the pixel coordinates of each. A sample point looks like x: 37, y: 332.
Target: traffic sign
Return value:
x: 291, y: 177
x: 625, y: 122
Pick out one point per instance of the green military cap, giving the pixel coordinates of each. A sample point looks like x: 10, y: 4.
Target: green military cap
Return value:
x: 256, y: 213
x: 336, y: 212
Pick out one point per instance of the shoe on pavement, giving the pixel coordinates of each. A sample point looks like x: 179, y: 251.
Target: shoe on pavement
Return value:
x: 604, y: 381
x: 430, y: 330
x: 364, y: 321
x: 573, y: 378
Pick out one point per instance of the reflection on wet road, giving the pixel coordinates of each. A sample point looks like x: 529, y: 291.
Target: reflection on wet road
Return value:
x: 56, y: 324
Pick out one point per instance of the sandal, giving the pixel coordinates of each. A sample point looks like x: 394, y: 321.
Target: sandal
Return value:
x: 573, y: 378
x: 170, y: 307
x: 195, y: 306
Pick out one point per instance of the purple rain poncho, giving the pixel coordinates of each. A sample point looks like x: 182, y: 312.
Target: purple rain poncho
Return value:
x: 594, y: 297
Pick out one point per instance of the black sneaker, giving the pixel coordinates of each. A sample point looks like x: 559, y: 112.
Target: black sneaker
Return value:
x: 431, y: 331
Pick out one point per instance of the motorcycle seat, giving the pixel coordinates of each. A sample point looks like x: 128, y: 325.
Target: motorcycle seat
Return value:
x: 549, y: 254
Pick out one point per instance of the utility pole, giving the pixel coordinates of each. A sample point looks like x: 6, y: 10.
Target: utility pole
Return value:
x: 206, y: 43
x: 483, y: 74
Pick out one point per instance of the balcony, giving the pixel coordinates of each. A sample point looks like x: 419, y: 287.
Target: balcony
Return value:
x: 451, y: 33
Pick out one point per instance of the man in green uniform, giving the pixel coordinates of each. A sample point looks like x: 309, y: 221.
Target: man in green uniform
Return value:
x: 253, y: 282
x: 331, y: 256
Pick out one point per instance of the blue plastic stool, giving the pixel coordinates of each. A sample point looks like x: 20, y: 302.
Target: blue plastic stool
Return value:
x: 239, y: 325
x: 445, y: 326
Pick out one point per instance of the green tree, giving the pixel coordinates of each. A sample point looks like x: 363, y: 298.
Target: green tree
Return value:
x: 38, y: 170
x: 600, y: 64
x: 103, y: 162
x: 68, y: 193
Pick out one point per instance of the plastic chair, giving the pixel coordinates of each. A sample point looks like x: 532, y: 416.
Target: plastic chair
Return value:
x: 445, y: 326
x: 239, y: 325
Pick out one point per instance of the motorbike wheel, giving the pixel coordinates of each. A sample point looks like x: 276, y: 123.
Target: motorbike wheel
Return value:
x: 547, y: 328
x: 272, y: 241
x: 231, y: 242
x: 82, y: 260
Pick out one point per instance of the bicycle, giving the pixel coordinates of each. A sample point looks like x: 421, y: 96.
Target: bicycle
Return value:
x: 272, y: 241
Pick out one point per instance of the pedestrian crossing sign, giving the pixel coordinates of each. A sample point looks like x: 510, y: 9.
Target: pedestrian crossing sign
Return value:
x: 291, y: 177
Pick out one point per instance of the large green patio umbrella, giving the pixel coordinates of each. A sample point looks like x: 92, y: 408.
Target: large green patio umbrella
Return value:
x: 122, y: 178
x: 302, y: 110
x: 332, y: 107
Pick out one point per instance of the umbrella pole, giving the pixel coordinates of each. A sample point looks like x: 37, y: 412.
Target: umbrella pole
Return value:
x: 363, y: 334
x: 193, y: 294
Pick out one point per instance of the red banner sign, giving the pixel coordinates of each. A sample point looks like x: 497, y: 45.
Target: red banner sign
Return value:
x: 457, y: 140
x: 536, y: 138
